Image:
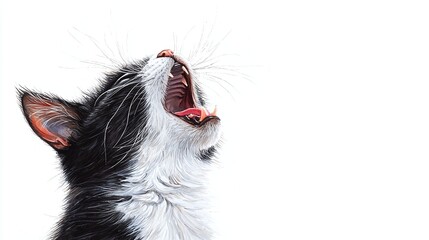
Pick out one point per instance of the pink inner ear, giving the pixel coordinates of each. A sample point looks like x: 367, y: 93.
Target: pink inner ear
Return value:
x: 55, y: 140
x: 51, y: 119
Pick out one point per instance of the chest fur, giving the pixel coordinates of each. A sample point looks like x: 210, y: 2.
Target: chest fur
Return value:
x: 168, y: 199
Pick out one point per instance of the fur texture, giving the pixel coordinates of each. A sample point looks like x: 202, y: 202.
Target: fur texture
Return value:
x: 135, y: 171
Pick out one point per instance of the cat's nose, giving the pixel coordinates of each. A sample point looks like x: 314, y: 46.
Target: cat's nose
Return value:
x: 165, y: 53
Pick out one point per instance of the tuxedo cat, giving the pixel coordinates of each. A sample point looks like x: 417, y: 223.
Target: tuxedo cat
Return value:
x: 135, y: 152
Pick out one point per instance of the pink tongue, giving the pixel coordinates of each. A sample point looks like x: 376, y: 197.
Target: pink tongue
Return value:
x: 188, y: 111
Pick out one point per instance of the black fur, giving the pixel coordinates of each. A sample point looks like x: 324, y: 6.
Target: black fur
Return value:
x: 110, y: 128
x: 207, y: 154
x: 98, y: 161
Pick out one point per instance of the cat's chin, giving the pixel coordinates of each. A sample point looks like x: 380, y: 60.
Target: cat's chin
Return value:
x: 208, y: 135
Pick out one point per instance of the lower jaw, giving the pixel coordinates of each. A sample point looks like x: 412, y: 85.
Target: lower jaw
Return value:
x: 206, y: 120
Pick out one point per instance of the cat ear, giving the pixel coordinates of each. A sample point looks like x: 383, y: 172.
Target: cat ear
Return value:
x: 54, y: 120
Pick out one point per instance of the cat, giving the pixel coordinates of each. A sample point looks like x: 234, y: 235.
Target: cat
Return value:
x: 135, y: 152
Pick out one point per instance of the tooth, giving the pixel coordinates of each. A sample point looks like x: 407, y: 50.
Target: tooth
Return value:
x: 184, y: 82
x: 203, y: 114
x: 214, y: 111
x: 185, y: 70
x: 170, y: 75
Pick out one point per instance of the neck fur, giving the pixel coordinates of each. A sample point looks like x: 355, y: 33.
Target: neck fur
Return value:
x: 167, y: 195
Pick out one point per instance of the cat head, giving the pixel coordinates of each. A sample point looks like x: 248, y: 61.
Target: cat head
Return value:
x: 152, y: 106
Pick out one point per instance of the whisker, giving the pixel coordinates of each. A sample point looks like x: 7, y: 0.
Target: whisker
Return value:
x: 126, y: 154
x: 197, y: 48
x: 218, y: 83
x: 99, y: 64
x: 184, y: 39
x: 138, y: 104
x: 110, y: 120
x: 108, y: 45
x: 174, y: 42
x: 128, y: 115
x: 223, y: 80
x: 114, y: 88
x: 233, y: 75
x: 212, y: 49
x: 206, y: 86
x: 96, y: 44
x: 214, y: 59
x: 74, y: 37
x: 120, y: 52
x: 110, y: 68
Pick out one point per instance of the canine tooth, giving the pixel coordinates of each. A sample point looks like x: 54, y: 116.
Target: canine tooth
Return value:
x: 170, y: 75
x: 185, y: 70
x: 203, y: 114
x: 214, y: 111
x: 184, y: 82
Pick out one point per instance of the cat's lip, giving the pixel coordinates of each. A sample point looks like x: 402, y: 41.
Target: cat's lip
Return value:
x: 180, y: 98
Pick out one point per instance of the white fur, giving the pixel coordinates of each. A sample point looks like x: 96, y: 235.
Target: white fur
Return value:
x: 168, y: 183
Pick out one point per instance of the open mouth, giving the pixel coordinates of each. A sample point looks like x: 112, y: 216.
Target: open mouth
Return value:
x: 180, y: 100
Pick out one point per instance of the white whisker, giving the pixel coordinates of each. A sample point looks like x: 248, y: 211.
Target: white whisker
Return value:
x: 140, y: 91
x: 108, y: 123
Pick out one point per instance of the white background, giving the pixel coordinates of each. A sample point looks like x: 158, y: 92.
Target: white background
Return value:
x: 326, y: 133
